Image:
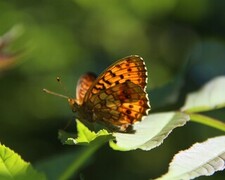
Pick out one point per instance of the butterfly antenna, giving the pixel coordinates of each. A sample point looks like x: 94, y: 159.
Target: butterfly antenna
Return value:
x: 55, y: 94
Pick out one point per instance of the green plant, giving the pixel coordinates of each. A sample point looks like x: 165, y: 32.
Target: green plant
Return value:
x: 201, y: 159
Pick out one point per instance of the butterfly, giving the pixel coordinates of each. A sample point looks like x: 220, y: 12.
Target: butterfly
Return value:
x: 117, y: 98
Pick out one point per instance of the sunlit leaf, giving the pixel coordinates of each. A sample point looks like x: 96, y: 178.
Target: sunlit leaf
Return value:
x: 150, y: 132
x: 85, y: 136
x: 210, y: 96
x: 202, y: 159
x: 13, y: 167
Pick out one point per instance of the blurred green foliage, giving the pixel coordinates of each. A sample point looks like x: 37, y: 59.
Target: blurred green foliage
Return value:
x: 182, y: 42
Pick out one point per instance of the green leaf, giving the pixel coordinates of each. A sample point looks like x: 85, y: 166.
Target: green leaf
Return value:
x: 210, y: 96
x: 202, y: 159
x: 150, y: 132
x: 13, y: 167
x: 85, y: 136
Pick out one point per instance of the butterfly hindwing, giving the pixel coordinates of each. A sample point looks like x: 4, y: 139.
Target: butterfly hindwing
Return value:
x: 123, y: 104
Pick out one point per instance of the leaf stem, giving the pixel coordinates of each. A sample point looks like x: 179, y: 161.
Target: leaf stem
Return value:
x: 215, y: 123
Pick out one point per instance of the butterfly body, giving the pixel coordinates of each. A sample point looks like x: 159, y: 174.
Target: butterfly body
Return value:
x: 116, y: 98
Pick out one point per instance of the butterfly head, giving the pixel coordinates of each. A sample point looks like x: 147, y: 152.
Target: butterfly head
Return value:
x: 73, y: 104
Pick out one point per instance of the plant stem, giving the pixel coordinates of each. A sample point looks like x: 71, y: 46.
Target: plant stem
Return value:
x: 78, y: 162
x: 207, y: 121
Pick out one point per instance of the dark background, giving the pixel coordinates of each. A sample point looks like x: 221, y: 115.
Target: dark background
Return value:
x: 182, y: 43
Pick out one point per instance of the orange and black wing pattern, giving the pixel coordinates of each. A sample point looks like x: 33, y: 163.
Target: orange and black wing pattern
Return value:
x: 118, y: 96
x: 83, y: 85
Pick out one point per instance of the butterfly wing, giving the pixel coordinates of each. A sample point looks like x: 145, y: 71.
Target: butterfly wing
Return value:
x: 118, y: 97
x: 83, y: 84
x: 119, y: 106
x: 129, y: 68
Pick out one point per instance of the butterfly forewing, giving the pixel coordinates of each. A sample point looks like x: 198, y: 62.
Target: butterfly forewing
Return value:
x: 129, y: 68
x: 83, y: 85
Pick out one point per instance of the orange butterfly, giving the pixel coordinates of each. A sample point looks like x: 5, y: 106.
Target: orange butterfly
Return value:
x: 117, y: 98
